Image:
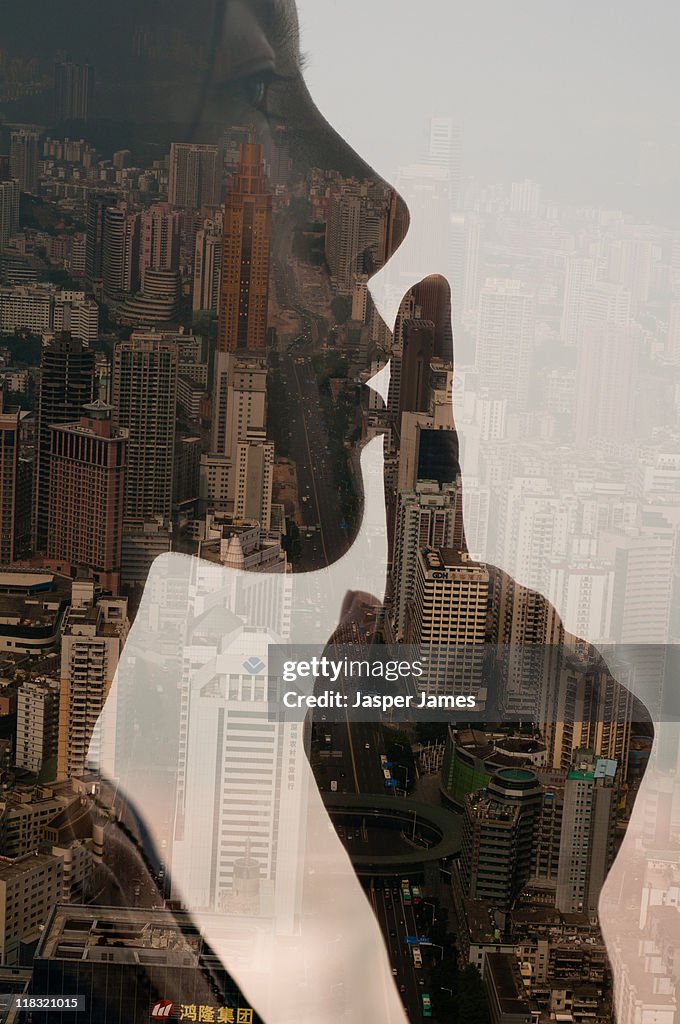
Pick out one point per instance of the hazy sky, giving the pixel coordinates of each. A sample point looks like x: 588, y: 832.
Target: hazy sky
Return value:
x: 567, y: 93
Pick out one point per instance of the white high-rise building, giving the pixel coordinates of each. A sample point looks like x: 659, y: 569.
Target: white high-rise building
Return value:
x: 207, y: 267
x: 579, y: 274
x: 505, y: 339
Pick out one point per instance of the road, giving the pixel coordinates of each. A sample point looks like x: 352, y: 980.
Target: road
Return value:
x: 308, y: 443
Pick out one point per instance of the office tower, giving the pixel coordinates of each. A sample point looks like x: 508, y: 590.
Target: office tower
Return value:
x: 342, y: 239
x: 120, y: 259
x: 37, y: 720
x: 417, y: 353
x: 186, y: 485
x: 24, y: 158
x: 588, y: 830
x: 93, y: 636
x: 448, y: 618
x: 606, y: 378
x: 29, y: 888
x: 246, y: 245
x: 67, y: 382
x: 426, y: 517
x: 73, y: 91
x: 498, y: 836
x: 86, y: 495
x: 97, y: 205
x: 15, y: 485
x: 525, y: 197
x: 235, y: 823
x: 588, y: 706
x: 505, y: 339
x: 207, y: 267
x: 579, y: 275
x: 9, y: 210
x: 194, y: 176
x: 159, y: 246
x: 465, y: 242
x: 254, y: 479
x: 446, y: 151
x: 144, y: 386
x: 240, y: 401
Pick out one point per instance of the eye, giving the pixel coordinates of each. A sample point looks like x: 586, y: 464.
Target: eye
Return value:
x: 254, y: 88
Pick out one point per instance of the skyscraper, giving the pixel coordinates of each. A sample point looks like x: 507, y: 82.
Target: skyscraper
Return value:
x: 37, y: 717
x: 246, y: 257
x: 144, y: 386
x: 448, y: 618
x: 207, y: 267
x: 85, y: 502
x: 9, y: 210
x: 23, y: 158
x: 159, y: 247
x: 195, y: 178
x: 73, y: 91
x: 446, y: 150
x: 15, y: 486
x: 425, y: 518
x: 97, y: 205
x: 67, y: 381
x: 588, y: 829
x: 498, y: 836
x: 92, y: 639
x: 505, y: 339
x: 120, y: 260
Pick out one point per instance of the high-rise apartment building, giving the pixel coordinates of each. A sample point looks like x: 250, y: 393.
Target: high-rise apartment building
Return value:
x: 207, y: 267
x: 24, y: 157
x: 159, y: 245
x: 73, y: 91
x: 606, y: 380
x: 505, y: 339
x: 588, y: 829
x: 120, y: 259
x: 194, y: 176
x: 246, y: 256
x: 86, y: 496
x: 37, y: 720
x: 417, y: 353
x: 144, y: 398
x: 9, y: 210
x: 446, y: 151
x: 425, y: 517
x: 94, y: 633
x: 29, y: 888
x: 448, y: 618
x: 97, y: 206
x: 67, y: 382
x: 15, y: 485
x: 498, y: 836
